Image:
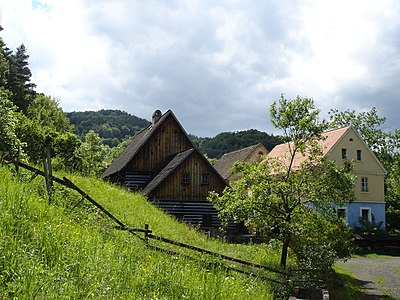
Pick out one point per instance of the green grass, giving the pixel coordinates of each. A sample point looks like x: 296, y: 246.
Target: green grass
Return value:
x: 49, y: 251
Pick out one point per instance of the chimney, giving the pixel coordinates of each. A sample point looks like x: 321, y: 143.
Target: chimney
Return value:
x: 156, y: 116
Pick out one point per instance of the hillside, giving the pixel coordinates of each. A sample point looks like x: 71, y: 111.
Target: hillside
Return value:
x: 231, y: 141
x: 68, y: 249
x: 111, y: 125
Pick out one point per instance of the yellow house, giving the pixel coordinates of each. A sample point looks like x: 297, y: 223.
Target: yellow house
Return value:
x: 346, y: 144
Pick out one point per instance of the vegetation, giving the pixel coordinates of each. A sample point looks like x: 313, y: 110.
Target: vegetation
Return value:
x: 291, y: 202
x: 231, y: 141
x: 54, y: 251
x: 113, y: 126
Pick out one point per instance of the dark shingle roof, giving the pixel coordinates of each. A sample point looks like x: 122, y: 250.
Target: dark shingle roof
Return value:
x: 170, y: 166
x: 132, y: 149
x: 225, y: 163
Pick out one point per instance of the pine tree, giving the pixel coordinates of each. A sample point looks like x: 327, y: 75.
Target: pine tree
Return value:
x: 19, y: 78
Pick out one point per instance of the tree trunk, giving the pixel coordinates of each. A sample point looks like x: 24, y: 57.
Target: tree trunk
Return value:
x: 284, y: 254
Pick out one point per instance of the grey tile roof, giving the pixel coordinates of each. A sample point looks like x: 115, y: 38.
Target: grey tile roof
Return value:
x: 225, y: 163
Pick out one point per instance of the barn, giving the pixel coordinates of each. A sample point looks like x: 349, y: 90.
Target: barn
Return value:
x: 163, y: 164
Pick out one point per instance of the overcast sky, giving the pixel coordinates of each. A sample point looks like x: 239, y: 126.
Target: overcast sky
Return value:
x: 218, y: 65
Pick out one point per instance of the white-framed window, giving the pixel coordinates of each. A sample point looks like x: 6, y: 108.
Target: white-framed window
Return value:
x: 365, y: 214
x: 359, y: 155
x: 342, y: 213
x: 344, y: 153
x: 364, y: 184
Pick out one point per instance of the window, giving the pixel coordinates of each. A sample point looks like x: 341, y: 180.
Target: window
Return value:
x: 342, y: 213
x: 365, y: 214
x: 364, y: 184
x: 204, y: 178
x: 185, y: 178
x: 344, y: 153
x: 359, y: 157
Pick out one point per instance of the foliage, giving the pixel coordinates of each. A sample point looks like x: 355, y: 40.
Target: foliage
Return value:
x: 230, y: 141
x: 65, y: 149
x: 369, y: 227
x: 113, y: 126
x: 19, y: 77
x: 47, y: 113
x: 321, y: 239
x: 92, y: 153
x: 273, y: 197
x: 10, y: 145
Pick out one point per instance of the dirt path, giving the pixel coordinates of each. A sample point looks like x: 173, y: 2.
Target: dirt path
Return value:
x: 379, y: 277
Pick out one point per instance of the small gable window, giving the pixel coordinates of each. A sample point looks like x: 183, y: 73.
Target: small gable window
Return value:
x: 344, y: 153
x: 205, y: 178
x: 364, y: 184
x: 359, y: 155
x: 185, y: 178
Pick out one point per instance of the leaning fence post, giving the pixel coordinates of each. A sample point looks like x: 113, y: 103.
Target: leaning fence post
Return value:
x: 146, y: 233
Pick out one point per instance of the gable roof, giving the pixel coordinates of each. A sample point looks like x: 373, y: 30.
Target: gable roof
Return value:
x: 225, y: 163
x: 174, y: 162
x: 138, y: 141
x: 170, y: 165
x: 330, y: 139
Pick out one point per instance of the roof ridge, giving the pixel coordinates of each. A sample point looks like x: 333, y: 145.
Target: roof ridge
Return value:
x: 242, y: 149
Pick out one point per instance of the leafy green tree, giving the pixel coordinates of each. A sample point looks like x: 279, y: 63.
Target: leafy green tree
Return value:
x: 10, y: 144
x: 46, y: 111
x: 275, y: 196
x: 65, y: 149
x: 93, y: 154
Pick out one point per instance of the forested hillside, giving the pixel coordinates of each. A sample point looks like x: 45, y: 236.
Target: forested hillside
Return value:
x: 230, y: 141
x: 113, y: 126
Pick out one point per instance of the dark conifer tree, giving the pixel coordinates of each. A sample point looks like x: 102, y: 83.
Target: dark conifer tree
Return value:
x: 19, y: 79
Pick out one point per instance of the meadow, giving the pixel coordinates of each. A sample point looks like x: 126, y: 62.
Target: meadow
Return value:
x: 68, y: 249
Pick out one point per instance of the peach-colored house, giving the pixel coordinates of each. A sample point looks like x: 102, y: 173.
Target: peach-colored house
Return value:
x: 346, y: 144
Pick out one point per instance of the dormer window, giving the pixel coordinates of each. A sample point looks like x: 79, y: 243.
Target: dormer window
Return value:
x: 344, y: 153
x: 359, y: 155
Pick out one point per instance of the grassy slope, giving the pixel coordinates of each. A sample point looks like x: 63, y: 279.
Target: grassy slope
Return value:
x: 51, y: 251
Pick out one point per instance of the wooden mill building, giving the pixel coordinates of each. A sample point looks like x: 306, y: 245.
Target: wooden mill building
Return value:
x: 163, y: 164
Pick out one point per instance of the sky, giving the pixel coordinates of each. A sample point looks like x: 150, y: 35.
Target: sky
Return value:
x: 218, y: 65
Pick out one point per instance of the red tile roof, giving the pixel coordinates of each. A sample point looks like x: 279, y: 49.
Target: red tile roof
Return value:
x: 329, y: 140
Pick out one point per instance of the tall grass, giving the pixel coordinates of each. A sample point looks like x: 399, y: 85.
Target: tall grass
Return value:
x: 49, y: 251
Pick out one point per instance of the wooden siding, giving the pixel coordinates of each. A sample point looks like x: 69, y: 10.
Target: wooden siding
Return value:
x: 195, y: 165
x: 167, y: 140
